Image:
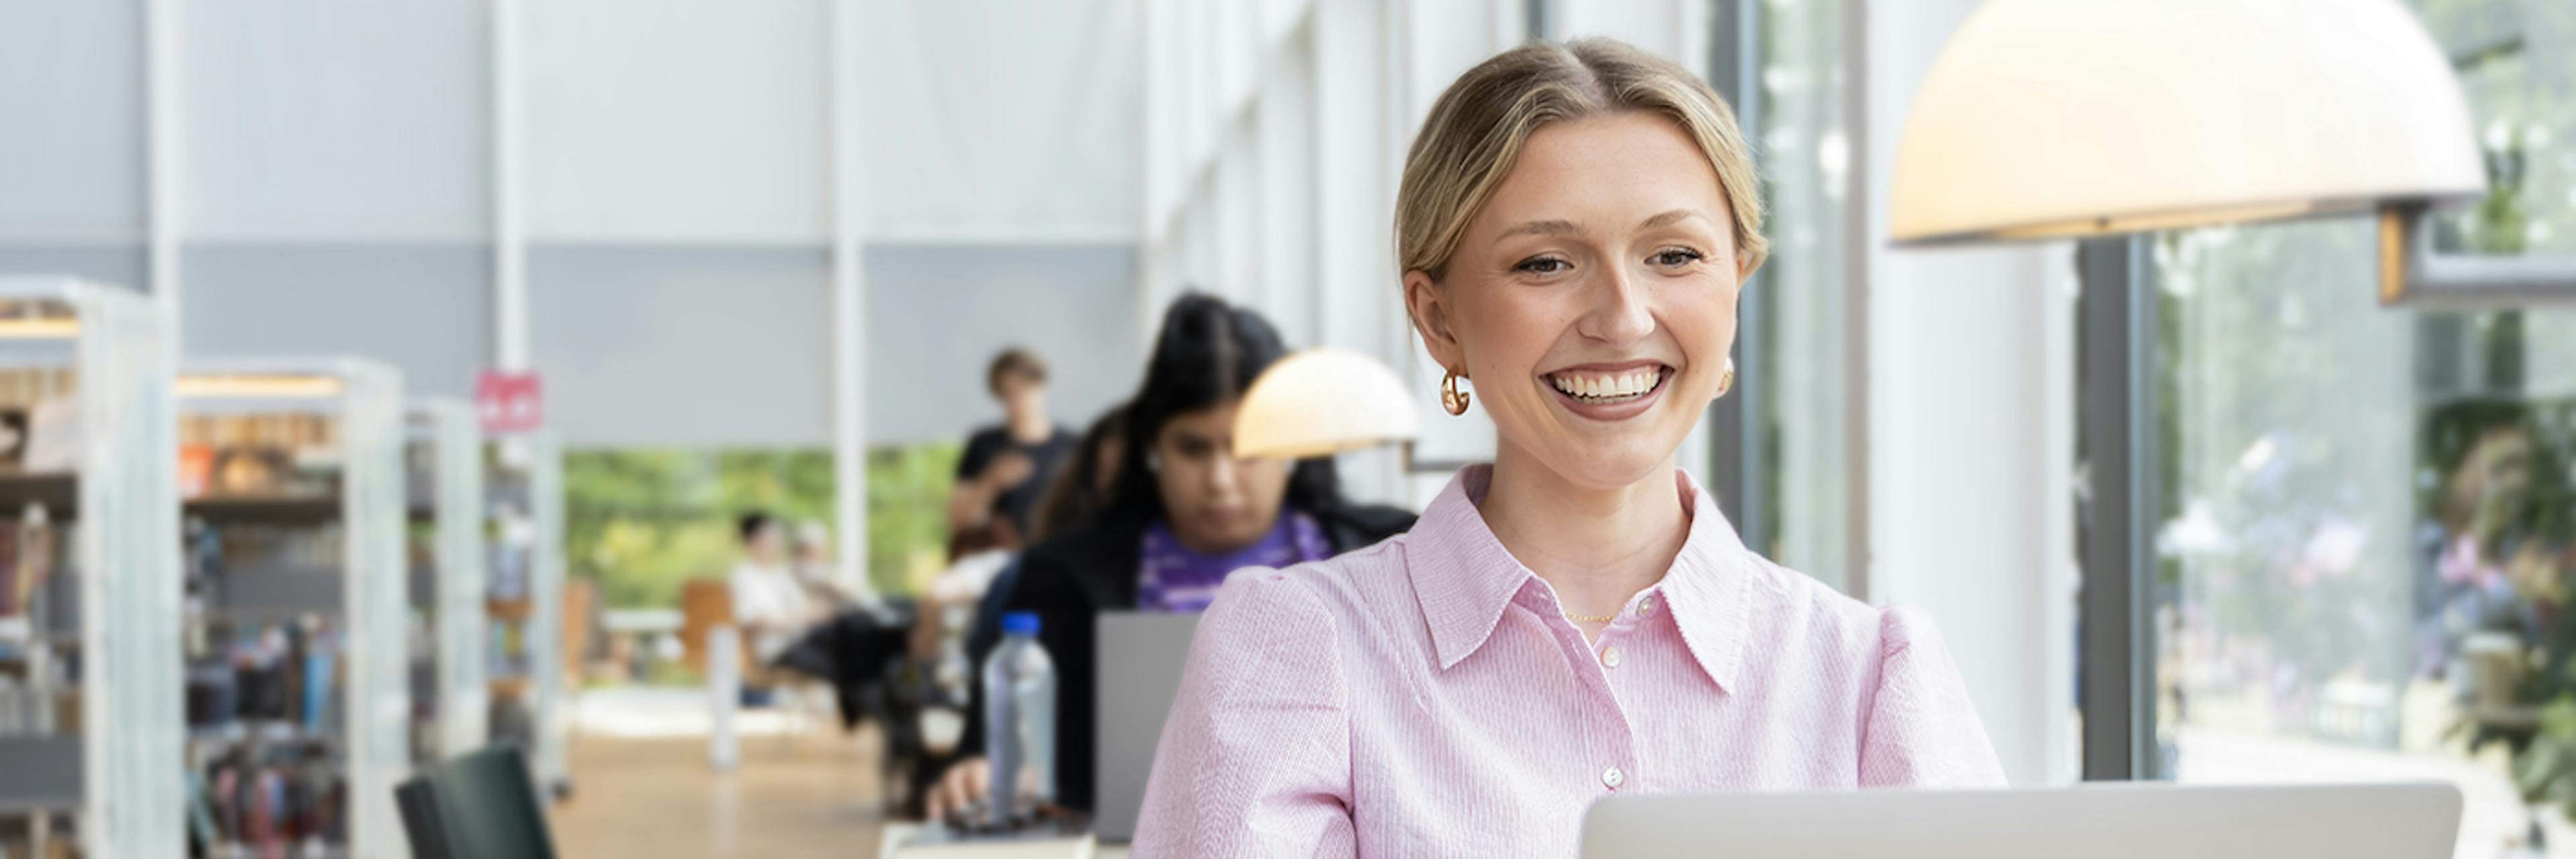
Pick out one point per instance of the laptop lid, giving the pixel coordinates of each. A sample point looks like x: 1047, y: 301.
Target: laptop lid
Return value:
x: 1139, y: 673
x: 2102, y: 821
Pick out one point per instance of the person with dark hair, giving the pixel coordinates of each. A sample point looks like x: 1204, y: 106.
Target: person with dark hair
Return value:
x: 1183, y: 511
x: 1007, y: 466
x: 1084, y: 486
x: 769, y: 605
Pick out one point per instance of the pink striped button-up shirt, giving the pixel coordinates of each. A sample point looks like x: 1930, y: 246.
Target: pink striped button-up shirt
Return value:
x: 1425, y: 697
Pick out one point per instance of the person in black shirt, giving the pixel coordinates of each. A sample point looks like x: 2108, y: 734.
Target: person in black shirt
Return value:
x: 1007, y: 467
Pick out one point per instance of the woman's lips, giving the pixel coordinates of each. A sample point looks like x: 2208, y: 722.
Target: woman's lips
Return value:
x: 1618, y: 405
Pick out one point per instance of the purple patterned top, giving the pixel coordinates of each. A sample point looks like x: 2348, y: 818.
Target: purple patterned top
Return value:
x: 1173, y: 578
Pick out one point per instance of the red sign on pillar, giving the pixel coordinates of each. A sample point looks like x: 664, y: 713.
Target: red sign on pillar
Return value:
x: 509, y: 403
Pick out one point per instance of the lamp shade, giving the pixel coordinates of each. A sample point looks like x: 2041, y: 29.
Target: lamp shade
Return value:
x: 1320, y: 402
x: 2045, y: 118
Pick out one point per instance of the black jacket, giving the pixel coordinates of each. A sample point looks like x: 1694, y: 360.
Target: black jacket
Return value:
x: 1070, y: 580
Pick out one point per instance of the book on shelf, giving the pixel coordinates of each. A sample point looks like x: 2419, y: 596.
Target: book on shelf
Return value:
x: 53, y: 441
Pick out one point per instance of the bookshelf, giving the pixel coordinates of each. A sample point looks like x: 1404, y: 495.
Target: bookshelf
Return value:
x: 525, y: 604
x: 445, y: 488
x: 88, y: 638
x: 296, y: 633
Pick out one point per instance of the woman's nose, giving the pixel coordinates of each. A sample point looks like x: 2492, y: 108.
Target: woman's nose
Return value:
x: 1620, y: 313
x: 1222, y: 476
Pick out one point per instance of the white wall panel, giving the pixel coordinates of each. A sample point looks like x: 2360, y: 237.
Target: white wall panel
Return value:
x: 1284, y: 129
x: 1970, y: 426
x: 1355, y: 161
x: 998, y: 121
x: 1240, y: 243
x: 678, y: 122
x: 316, y: 120
x: 71, y: 122
x: 1440, y: 40
x: 1673, y: 29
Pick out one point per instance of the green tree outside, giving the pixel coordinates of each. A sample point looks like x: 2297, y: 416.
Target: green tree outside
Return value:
x: 643, y: 522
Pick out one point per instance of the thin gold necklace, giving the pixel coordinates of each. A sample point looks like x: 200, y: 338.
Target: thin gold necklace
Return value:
x: 1588, y: 618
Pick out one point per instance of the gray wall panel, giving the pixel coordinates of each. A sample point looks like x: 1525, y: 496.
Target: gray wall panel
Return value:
x: 682, y: 346
x: 122, y: 265
x: 731, y: 347
x: 425, y: 309
x: 938, y: 313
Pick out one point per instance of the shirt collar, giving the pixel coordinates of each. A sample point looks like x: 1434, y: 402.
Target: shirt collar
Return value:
x: 1464, y: 578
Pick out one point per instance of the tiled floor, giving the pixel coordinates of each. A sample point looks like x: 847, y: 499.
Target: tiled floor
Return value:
x: 798, y: 793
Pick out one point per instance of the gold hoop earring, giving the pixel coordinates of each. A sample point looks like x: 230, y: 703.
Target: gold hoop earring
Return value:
x: 1726, y: 381
x: 1452, y: 399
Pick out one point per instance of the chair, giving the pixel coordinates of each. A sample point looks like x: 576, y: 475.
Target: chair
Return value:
x: 704, y: 605
x: 481, y: 805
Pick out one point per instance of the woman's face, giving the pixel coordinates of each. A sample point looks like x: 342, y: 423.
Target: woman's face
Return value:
x: 1214, y: 502
x: 1591, y: 302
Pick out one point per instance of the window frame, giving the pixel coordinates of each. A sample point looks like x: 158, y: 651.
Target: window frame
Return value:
x: 1736, y: 465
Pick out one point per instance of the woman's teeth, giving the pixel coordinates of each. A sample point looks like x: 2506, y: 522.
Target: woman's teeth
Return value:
x: 1607, y: 388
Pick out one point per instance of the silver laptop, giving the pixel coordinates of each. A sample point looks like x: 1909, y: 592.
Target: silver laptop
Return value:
x: 2105, y: 821
x: 1139, y: 673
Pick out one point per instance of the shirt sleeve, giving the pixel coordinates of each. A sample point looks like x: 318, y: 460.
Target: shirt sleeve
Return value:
x: 979, y: 452
x: 750, y: 600
x: 1922, y: 731
x: 1255, y: 758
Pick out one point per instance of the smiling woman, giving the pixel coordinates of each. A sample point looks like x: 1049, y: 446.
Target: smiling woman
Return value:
x: 1576, y: 619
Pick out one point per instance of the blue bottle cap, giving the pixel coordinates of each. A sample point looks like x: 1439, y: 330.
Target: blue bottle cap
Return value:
x: 1020, y: 623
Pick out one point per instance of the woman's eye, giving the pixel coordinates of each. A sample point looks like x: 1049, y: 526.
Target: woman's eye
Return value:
x: 1675, y: 257
x: 1543, y: 265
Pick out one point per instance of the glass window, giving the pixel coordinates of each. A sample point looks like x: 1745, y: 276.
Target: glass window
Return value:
x: 644, y: 521
x: 2368, y: 515
x: 1798, y: 485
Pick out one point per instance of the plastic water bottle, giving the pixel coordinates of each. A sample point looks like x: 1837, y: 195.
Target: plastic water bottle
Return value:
x: 1019, y: 722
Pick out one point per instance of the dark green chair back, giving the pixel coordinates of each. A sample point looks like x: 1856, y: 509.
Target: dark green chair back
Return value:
x: 481, y: 805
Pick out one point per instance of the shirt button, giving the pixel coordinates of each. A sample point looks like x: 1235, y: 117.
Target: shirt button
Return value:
x: 1646, y: 606
x: 1613, y: 778
x: 1610, y: 657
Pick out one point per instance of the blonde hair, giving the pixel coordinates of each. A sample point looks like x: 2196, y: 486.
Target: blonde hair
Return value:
x: 1477, y: 128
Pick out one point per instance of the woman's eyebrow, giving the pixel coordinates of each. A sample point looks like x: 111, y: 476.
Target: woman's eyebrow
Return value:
x: 1540, y: 228
x: 1670, y: 218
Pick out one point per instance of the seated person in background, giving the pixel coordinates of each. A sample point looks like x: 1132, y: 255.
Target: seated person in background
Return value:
x: 1183, y: 513
x: 769, y: 605
x: 1006, y: 467
x: 820, y: 578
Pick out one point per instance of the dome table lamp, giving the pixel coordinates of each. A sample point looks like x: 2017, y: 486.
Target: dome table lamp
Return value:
x: 1320, y: 402
x: 2083, y: 118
